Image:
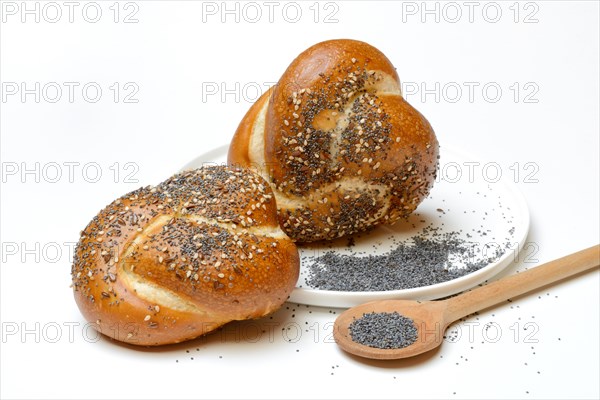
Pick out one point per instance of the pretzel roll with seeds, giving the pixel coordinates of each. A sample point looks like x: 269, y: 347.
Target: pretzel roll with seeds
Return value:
x: 169, y: 263
x: 341, y: 148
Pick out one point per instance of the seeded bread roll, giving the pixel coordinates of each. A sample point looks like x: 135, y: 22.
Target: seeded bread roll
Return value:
x: 341, y: 148
x: 169, y: 263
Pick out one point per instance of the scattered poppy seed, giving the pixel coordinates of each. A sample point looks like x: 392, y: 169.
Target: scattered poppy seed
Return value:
x: 423, y: 260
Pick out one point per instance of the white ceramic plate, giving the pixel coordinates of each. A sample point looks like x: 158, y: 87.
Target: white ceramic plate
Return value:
x: 470, y: 201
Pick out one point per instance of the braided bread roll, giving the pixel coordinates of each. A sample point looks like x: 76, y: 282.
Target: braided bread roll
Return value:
x: 341, y: 148
x: 169, y: 263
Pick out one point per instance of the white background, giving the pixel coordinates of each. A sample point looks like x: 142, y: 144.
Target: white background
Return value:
x: 180, y: 56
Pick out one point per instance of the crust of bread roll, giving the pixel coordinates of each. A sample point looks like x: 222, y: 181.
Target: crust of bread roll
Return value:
x: 341, y: 148
x: 169, y: 263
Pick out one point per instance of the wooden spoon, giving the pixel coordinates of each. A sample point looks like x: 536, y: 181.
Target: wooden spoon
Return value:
x: 431, y: 318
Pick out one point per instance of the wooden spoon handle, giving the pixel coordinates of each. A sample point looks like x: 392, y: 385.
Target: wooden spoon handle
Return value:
x: 523, y: 282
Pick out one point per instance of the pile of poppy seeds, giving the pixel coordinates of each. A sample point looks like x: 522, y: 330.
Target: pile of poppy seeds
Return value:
x: 428, y: 258
x: 383, y: 330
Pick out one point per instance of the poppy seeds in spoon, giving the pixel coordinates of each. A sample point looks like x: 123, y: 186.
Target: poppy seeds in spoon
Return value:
x: 383, y: 330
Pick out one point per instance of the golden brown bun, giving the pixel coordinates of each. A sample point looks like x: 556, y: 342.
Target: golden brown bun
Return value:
x: 169, y: 263
x: 341, y: 148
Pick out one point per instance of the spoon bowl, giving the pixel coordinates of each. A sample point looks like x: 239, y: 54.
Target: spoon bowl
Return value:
x: 432, y: 318
x: 428, y: 317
